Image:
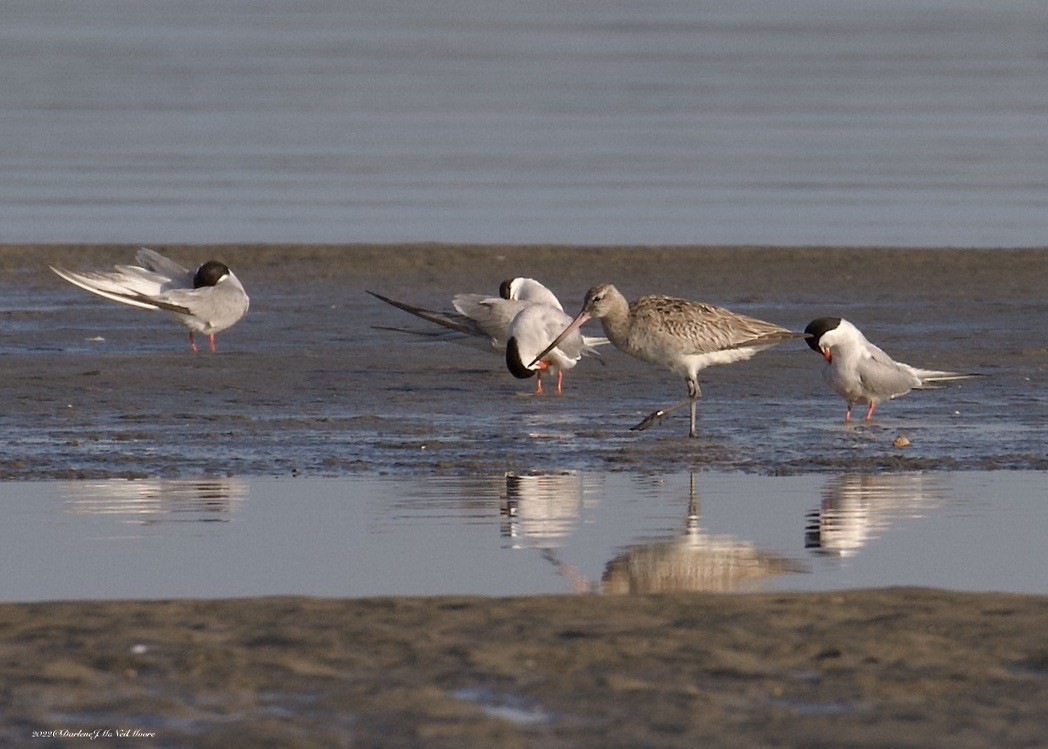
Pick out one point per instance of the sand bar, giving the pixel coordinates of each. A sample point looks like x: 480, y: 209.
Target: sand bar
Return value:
x: 895, y: 667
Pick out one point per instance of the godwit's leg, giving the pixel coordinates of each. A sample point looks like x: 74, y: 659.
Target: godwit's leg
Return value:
x: 693, y: 395
x: 211, y: 342
x: 192, y: 341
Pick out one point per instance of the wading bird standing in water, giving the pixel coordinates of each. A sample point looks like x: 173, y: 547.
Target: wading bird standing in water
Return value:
x: 681, y: 335
x: 207, y: 300
x: 860, y: 372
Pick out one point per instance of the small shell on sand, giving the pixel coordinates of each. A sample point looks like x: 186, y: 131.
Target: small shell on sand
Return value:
x: 900, y: 441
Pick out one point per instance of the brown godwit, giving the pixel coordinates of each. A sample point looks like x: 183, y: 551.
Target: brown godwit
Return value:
x: 679, y: 334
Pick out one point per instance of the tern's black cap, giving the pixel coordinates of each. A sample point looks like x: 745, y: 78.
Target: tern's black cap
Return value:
x: 817, y: 328
x: 209, y: 274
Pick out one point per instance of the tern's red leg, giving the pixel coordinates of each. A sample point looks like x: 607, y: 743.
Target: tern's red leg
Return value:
x: 869, y: 414
x: 560, y: 380
x: 542, y: 366
x: 847, y: 414
x: 211, y: 342
x: 192, y: 342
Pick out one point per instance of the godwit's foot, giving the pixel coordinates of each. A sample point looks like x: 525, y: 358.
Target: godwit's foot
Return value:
x: 649, y: 422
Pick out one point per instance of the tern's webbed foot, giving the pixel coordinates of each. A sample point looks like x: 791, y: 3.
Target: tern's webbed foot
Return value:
x: 649, y: 422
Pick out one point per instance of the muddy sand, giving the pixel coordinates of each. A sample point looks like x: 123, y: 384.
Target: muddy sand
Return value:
x: 305, y: 384
x: 896, y: 667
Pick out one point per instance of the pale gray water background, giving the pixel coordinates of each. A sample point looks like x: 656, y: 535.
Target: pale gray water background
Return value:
x: 569, y: 532
x: 826, y: 122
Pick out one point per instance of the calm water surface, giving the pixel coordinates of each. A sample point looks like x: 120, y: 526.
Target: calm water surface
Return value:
x: 861, y: 122
x: 516, y: 535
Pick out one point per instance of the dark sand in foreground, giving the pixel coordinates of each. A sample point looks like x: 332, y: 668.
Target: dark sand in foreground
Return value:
x: 900, y: 667
x: 864, y: 668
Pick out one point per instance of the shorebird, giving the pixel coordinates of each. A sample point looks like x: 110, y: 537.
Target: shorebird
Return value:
x: 207, y: 300
x: 528, y: 290
x: 478, y: 318
x: 530, y: 331
x: 681, y: 335
x: 862, y: 373
x: 487, y: 320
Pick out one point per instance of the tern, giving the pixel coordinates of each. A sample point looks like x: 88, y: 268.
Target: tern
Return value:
x: 488, y: 320
x: 207, y: 300
x: 530, y: 332
x: 862, y: 373
x: 679, y: 334
x: 479, y: 318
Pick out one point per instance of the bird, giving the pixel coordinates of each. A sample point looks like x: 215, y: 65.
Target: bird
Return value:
x: 862, y: 373
x: 207, y: 300
x: 681, y: 335
x: 529, y: 332
x: 484, y: 319
x: 478, y: 318
x: 528, y: 290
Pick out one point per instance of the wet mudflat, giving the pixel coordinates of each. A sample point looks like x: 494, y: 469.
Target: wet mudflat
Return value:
x: 306, y: 384
x: 898, y: 667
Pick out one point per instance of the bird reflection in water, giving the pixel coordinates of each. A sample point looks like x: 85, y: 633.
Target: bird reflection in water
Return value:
x: 541, y: 509
x: 150, y: 501
x: 858, y: 507
x: 694, y: 561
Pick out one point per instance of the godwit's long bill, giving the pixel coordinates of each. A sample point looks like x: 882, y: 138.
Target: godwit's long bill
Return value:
x: 679, y: 334
x: 207, y: 300
x: 860, y: 372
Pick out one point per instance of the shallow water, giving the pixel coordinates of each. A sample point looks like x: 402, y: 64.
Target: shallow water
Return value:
x: 858, y: 122
x: 570, y: 532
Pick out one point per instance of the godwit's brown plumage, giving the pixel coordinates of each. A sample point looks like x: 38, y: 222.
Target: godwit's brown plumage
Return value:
x: 679, y: 334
